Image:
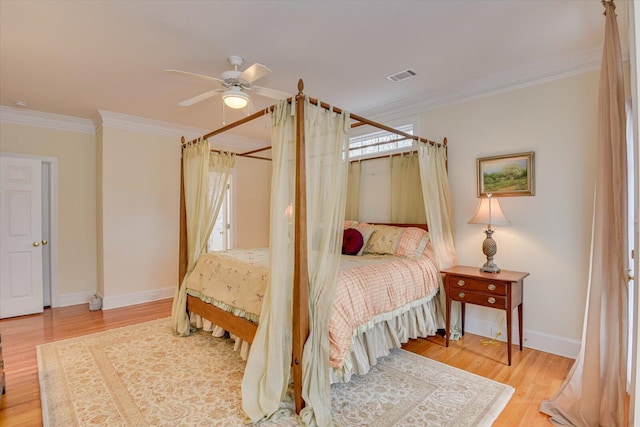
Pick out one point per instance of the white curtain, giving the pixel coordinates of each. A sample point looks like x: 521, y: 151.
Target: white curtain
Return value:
x: 407, y: 204
x: 352, y: 210
x: 266, y: 375
x: 594, y: 391
x: 206, y: 176
x: 327, y: 159
x: 439, y: 212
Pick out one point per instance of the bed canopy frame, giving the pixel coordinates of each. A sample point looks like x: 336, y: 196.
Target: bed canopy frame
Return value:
x: 245, y: 329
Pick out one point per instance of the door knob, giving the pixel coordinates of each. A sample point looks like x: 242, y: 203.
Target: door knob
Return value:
x: 44, y: 242
x: 36, y: 244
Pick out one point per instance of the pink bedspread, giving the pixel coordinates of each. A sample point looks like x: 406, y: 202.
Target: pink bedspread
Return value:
x: 366, y: 293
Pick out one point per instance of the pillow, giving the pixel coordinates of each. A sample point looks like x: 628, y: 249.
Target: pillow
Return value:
x: 348, y: 223
x: 412, y: 243
x: 384, y: 240
x: 352, y: 241
x: 366, y: 232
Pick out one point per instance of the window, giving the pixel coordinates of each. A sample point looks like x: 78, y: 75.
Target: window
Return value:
x: 380, y: 142
x: 220, y: 238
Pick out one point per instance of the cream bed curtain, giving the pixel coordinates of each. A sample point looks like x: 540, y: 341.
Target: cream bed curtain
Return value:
x: 327, y: 160
x: 206, y: 176
x: 267, y: 373
x: 407, y: 202
x: 352, y: 210
x: 268, y: 367
x: 439, y: 212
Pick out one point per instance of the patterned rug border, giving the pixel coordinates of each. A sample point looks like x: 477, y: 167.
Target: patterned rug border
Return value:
x: 484, y: 415
x: 501, y: 400
x: 41, y: 360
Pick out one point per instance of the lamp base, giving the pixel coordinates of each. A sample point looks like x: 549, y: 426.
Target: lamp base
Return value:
x: 489, y: 248
x: 490, y: 267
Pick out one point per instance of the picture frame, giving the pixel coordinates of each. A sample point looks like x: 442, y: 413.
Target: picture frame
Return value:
x: 507, y: 175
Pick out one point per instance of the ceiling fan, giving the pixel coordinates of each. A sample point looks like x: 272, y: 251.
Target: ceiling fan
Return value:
x: 235, y: 84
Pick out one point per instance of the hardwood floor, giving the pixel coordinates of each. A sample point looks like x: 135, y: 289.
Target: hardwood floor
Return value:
x: 535, y: 375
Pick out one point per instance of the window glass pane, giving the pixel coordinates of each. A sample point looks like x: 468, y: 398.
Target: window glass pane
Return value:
x: 380, y: 142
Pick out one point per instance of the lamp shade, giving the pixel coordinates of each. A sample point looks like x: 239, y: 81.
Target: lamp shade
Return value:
x: 489, y: 212
x: 235, y: 98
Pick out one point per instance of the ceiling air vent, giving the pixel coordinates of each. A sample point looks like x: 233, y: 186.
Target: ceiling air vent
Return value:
x: 402, y: 75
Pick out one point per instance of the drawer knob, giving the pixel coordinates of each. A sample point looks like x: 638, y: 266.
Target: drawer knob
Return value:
x: 460, y: 282
x: 461, y: 295
x: 491, y: 300
x: 492, y: 287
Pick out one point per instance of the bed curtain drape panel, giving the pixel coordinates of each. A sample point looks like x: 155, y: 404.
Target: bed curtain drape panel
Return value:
x: 268, y: 367
x: 593, y: 394
x: 439, y: 213
x: 352, y: 210
x: 407, y: 202
x: 206, y: 176
x: 266, y: 376
x: 327, y: 160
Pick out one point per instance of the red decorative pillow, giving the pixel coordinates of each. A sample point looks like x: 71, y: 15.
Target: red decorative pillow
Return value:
x: 352, y: 241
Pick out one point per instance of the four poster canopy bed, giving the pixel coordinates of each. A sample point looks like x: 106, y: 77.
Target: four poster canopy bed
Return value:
x: 301, y: 306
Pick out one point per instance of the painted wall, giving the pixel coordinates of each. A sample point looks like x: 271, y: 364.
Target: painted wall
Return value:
x: 252, y: 202
x: 550, y: 233
x: 76, y: 154
x: 140, y: 215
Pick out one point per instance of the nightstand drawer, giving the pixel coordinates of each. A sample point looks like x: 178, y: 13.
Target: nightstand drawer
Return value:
x: 478, y: 298
x: 466, y: 283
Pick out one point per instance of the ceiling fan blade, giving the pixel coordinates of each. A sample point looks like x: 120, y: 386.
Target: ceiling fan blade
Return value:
x: 199, y: 98
x: 202, y: 76
x: 269, y: 93
x: 255, y: 72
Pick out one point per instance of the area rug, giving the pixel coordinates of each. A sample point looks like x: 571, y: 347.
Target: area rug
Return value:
x: 143, y: 375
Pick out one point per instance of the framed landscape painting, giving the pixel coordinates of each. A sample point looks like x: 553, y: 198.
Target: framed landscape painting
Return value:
x: 508, y: 175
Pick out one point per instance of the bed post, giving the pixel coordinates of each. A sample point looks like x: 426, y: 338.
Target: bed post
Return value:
x: 301, y: 267
x: 182, y: 263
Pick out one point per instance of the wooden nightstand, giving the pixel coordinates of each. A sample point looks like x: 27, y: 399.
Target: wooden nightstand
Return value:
x: 496, y: 290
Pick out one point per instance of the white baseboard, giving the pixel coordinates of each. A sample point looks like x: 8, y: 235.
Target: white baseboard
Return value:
x: 73, y: 299
x: 548, y: 343
x: 125, y: 300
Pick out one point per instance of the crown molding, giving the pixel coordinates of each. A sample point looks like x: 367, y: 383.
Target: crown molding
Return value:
x: 499, y: 82
x: 21, y: 116
x: 229, y: 142
x: 141, y: 124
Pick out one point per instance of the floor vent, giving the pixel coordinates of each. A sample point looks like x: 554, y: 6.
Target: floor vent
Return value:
x: 402, y: 75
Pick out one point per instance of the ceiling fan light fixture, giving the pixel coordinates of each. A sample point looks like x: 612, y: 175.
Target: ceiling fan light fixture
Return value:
x: 235, y: 98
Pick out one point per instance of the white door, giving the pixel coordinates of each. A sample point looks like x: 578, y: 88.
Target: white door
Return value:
x: 20, y: 237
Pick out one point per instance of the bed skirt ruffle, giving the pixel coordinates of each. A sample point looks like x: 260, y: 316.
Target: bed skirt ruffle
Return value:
x: 367, y: 346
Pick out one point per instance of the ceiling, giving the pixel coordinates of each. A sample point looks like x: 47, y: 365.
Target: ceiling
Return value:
x: 77, y: 57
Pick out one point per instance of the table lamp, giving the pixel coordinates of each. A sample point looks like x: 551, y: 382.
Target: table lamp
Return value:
x: 489, y: 212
